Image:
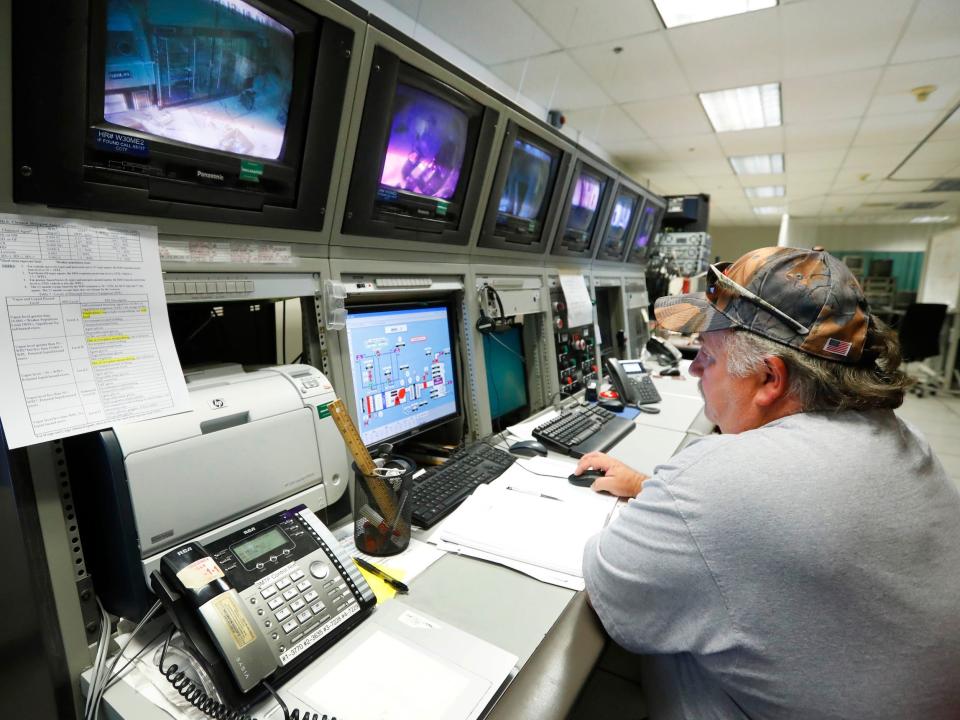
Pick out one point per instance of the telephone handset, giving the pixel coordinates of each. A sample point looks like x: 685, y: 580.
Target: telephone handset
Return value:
x: 261, y: 602
x: 664, y: 352
x: 631, y: 381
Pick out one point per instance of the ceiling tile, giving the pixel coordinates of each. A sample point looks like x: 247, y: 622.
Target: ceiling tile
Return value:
x: 705, y: 168
x: 831, y: 97
x: 832, y: 36
x: 891, y: 186
x: 693, y: 149
x: 893, y: 93
x: 814, y: 160
x: 935, y: 158
x: 670, y: 117
x: 820, y: 135
x: 932, y: 32
x: 606, y: 124
x: 752, y: 142
x: 576, y: 22
x: 646, y: 68
x: 553, y: 81
x: 704, y: 50
x: 493, y: 31
x: 894, y: 129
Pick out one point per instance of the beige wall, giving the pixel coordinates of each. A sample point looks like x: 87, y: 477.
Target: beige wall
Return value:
x: 732, y: 241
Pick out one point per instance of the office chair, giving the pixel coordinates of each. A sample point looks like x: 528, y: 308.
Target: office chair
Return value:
x: 919, y: 333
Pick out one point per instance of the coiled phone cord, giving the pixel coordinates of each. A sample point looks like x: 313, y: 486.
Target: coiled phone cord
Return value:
x: 198, y: 698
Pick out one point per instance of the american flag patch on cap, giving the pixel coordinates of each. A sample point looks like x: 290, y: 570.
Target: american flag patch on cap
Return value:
x: 837, y: 347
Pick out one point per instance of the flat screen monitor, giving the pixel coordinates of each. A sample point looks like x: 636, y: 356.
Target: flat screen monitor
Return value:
x: 614, y: 244
x: 586, y: 197
x: 650, y: 216
x: 506, y: 375
x: 403, y: 369
x: 523, y: 199
x: 223, y: 110
x: 413, y: 170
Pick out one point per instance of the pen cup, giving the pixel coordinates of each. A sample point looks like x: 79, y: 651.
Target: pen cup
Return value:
x: 383, y: 508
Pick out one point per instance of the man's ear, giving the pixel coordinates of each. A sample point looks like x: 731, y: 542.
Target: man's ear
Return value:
x: 775, y: 382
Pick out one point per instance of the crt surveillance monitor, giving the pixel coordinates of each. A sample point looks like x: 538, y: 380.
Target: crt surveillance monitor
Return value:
x: 614, y: 244
x: 650, y: 216
x: 587, y: 194
x: 222, y: 110
x: 403, y: 369
x: 414, y: 175
x: 523, y: 200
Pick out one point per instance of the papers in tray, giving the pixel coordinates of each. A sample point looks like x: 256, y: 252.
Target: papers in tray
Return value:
x: 535, y: 524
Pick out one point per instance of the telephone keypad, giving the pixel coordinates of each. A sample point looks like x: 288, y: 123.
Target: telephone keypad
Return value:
x: 275, y: 603
x: 297, y: 604
x: 296, y: 575
x: 304, y: 616
x: 317, y: 607
x: 288, y: 594
x: 283, y: 614
x: 290, y: 626
x: 281, y: 584
x: 267, y: 592
x: 310, y: 596
x: 303, y: 585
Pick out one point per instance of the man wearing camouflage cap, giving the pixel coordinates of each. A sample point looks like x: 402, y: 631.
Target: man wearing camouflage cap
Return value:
x: 805, y: 563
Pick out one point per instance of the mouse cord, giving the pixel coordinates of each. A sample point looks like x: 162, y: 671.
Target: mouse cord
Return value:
x: 534, y: 472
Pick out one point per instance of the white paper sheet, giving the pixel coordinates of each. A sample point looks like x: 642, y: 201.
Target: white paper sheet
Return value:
x: 577, y: 299
x: 411, y: 562
x: 85, y: 340
x: 386, y: 679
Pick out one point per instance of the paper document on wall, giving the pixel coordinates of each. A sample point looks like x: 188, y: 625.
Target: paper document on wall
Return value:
x: 577, y: 299
x: 86, y: 340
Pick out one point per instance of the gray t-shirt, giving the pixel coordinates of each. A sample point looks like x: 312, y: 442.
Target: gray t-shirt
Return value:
x: 806, y: 569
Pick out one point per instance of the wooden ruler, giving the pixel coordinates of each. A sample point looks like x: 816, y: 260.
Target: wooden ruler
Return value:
x: 379, y: 489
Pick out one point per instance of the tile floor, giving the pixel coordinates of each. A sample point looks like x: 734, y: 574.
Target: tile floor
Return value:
x: 938, y: 418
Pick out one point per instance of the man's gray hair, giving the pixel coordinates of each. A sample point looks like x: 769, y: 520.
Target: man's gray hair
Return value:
x: 875, y: 382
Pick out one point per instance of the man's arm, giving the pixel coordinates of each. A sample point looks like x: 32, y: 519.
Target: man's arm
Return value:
x: 618, y: 479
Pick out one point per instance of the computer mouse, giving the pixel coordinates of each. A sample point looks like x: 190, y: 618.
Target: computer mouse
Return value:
x: 611, y: 405
x: 648, y: 409
x: 586, y: 478
x: 527, y: 448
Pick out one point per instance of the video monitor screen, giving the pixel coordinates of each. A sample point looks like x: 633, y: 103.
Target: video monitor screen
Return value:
x: 527, y: 181
x: 584, y: 202
x: 428, y: 139
x: 506, y: 374
x: 212, y: 73
x: 403, y: 370
x: 620, y: 217
x: 641, y: 239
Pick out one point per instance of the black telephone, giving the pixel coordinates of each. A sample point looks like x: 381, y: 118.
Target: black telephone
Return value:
x: 259, y: 604
x: 664, y: 352
x: 631, y: 381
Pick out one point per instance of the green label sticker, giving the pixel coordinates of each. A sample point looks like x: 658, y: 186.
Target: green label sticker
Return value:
x: 441, y: 208
x: 323, y: 410
x: 250, y: 170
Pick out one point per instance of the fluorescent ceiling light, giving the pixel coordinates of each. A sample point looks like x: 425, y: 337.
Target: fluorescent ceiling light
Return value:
x: 768, y: 210
x: 743, y: 108
x: 758, y: 164
x: 766, y: 191
x: 684, y: 12
x: 930, y: 219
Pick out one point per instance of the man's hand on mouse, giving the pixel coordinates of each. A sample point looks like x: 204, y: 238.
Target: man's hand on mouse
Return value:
x: 618, y: 479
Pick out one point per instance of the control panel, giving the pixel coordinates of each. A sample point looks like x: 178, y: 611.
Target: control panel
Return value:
x: 575, y: 348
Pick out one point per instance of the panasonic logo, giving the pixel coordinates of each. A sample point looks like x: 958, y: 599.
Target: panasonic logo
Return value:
x: 209, y: 175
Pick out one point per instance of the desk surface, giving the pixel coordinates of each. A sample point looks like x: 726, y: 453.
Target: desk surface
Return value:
x: 552, y: 630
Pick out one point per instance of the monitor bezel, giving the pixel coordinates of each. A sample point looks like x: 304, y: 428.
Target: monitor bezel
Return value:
x: 363, y: 215
x: 638, y: 203
x: 559, y: 248
x: 449, y: 305
x: 55, y: 151
x: 639, y: 257
x: 501, y: 236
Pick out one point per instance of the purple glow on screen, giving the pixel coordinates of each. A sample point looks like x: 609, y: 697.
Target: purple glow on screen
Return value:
x: 644, y: 228
x: 427, y: 143
x: 586, y: 193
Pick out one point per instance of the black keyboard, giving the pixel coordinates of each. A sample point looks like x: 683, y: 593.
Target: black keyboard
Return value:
x: 439, y: 490
x: 642, y: 390
x: 579, y: 430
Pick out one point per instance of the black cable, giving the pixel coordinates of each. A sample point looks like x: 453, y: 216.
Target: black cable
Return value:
x: 534, y: 472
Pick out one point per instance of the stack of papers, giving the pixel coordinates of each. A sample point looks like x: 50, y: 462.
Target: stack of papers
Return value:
x: 530, y: 519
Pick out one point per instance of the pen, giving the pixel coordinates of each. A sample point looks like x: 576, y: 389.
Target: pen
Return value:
x: 391, y: 581
x: 534, y: 493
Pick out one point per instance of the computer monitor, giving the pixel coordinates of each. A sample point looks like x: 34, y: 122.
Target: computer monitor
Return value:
x: 403, y: 369
x: 646, y: 228
x: 413, y: 169
x: 622, y: 215
x: 506, y: 377
x: 524, y: 198
x: 222, y: 110
x: 586, y: 197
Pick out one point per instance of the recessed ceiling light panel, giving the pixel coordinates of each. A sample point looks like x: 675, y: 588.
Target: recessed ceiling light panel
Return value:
x: 757, y: 164
x: 768, y: 210
x: 744, y: 108
x: 685, y: 12
x: 931, y: 219
x: 766, y: 191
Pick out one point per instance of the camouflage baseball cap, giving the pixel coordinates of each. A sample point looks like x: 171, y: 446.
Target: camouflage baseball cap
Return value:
x: 805, y: 299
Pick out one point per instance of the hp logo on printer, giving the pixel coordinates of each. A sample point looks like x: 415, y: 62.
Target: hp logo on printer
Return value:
x: 217, y: 403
